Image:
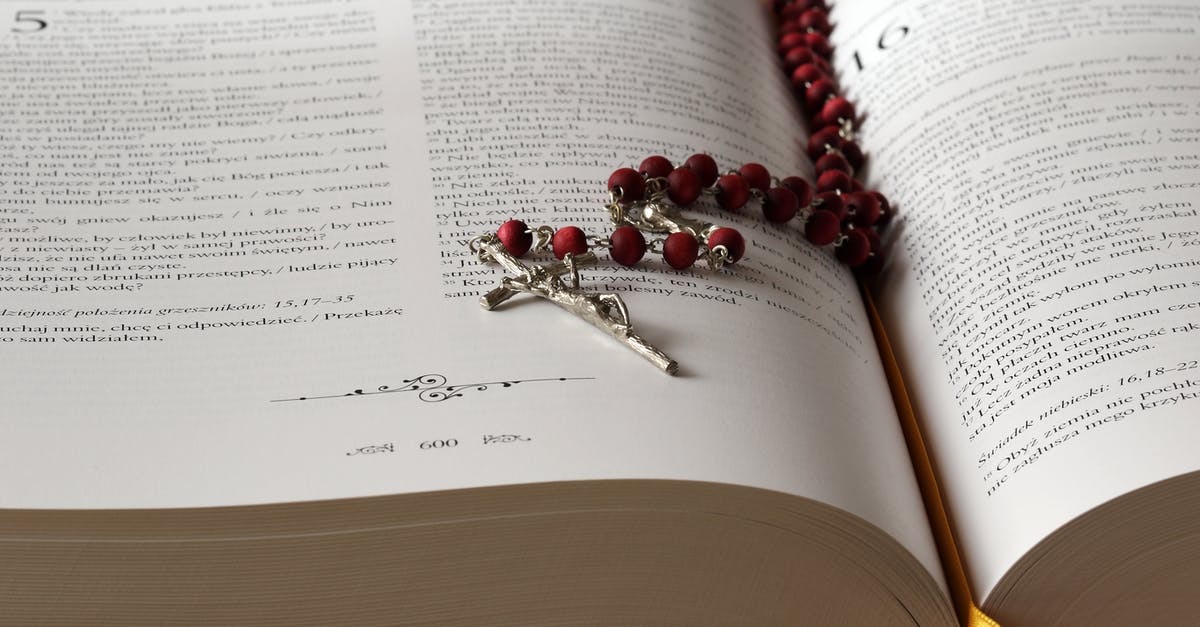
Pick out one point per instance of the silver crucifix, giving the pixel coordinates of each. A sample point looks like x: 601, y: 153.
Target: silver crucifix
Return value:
x: 606, y: 312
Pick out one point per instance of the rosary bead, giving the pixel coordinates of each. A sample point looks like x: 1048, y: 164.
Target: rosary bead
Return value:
x: 818, y: 92
x: 798, y: 56
x: 631, y: 183
x: 733, y: 191
x: 821, y: 141
x: 680, y: 250
x: 873, y: 238
x: 863, y: 208
x: 833, y: 161
x: 806, y: 74
x: 874, y: 263
x: 885, y: 209
x: 791, y: 11
x: 704, y: 167
x: 819, y: 44
x: 788, y: 41
x: 855, y: 249
x: 516, y: 237
x: 731, y: 239
x: 570, y: 239
x: 823, y: 65
x: 627, y: 245
x: 656, y: 167
x: 816, y: 19
x: 831, y: 202
x: 780, y: 205
x: 853, y: 154
x: 800, y: 188
x: 832, y: 181
x: 683, y: 186
x: 836, y: 109
x: 822, y: 228
x: 756, y: 176
x: 792, y: 26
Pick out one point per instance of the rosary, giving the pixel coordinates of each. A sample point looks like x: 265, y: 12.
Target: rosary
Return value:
x: 835, y: 211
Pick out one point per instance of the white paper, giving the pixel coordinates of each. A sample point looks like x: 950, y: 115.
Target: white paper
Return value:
x: 1044, y: 295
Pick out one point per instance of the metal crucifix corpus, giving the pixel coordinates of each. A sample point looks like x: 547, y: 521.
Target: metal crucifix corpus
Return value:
x: 606, y: 312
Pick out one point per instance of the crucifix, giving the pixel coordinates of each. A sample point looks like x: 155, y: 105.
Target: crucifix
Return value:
x: 606, y: 312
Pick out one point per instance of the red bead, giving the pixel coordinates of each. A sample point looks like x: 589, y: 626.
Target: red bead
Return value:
x: 863, y: 208
x: 683, y: 186
x: 627, y: 245
x: 780, y: 205
x: 832, y: 161
x: 836, y: 109
x: 800, y: 188
x: 853, y: 154
x: 791, y: 40
x: 874, y: 263
x: 757, y: 176
x: 855, y: 186
x: 791, y: 26
x: 632, y: 185
x: 832, y: 181
x: 734, y: 243
x: 823, y: 65
x: 797, y: 56
x: 816, y: 19
x: 569, y: 239
x: 818, y: 43
x: 791, y: 10
x: 656, y: 167
x: 873, y: 237
x: 704, y: 167
x: 805, y: 74
x: 516, y: 237
x: 732, y: 191
x: 854, y: 250
x: 817, y: 93
x: 885, y: 209
x: 680, y: 250
x: 830, y: 202
x: 821, y: 141
x: 872, y: 266
x: 822, y: 228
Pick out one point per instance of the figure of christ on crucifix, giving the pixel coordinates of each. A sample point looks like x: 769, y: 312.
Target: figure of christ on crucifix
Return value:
x: 606, y: 312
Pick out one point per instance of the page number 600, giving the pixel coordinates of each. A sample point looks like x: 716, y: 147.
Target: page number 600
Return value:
x: 29, y: 22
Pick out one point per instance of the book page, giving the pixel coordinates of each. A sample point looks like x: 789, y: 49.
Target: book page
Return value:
x: 236, y: 265
x: 1043, y: 291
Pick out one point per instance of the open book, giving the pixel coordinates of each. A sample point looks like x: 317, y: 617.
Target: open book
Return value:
x: 246, y: 377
